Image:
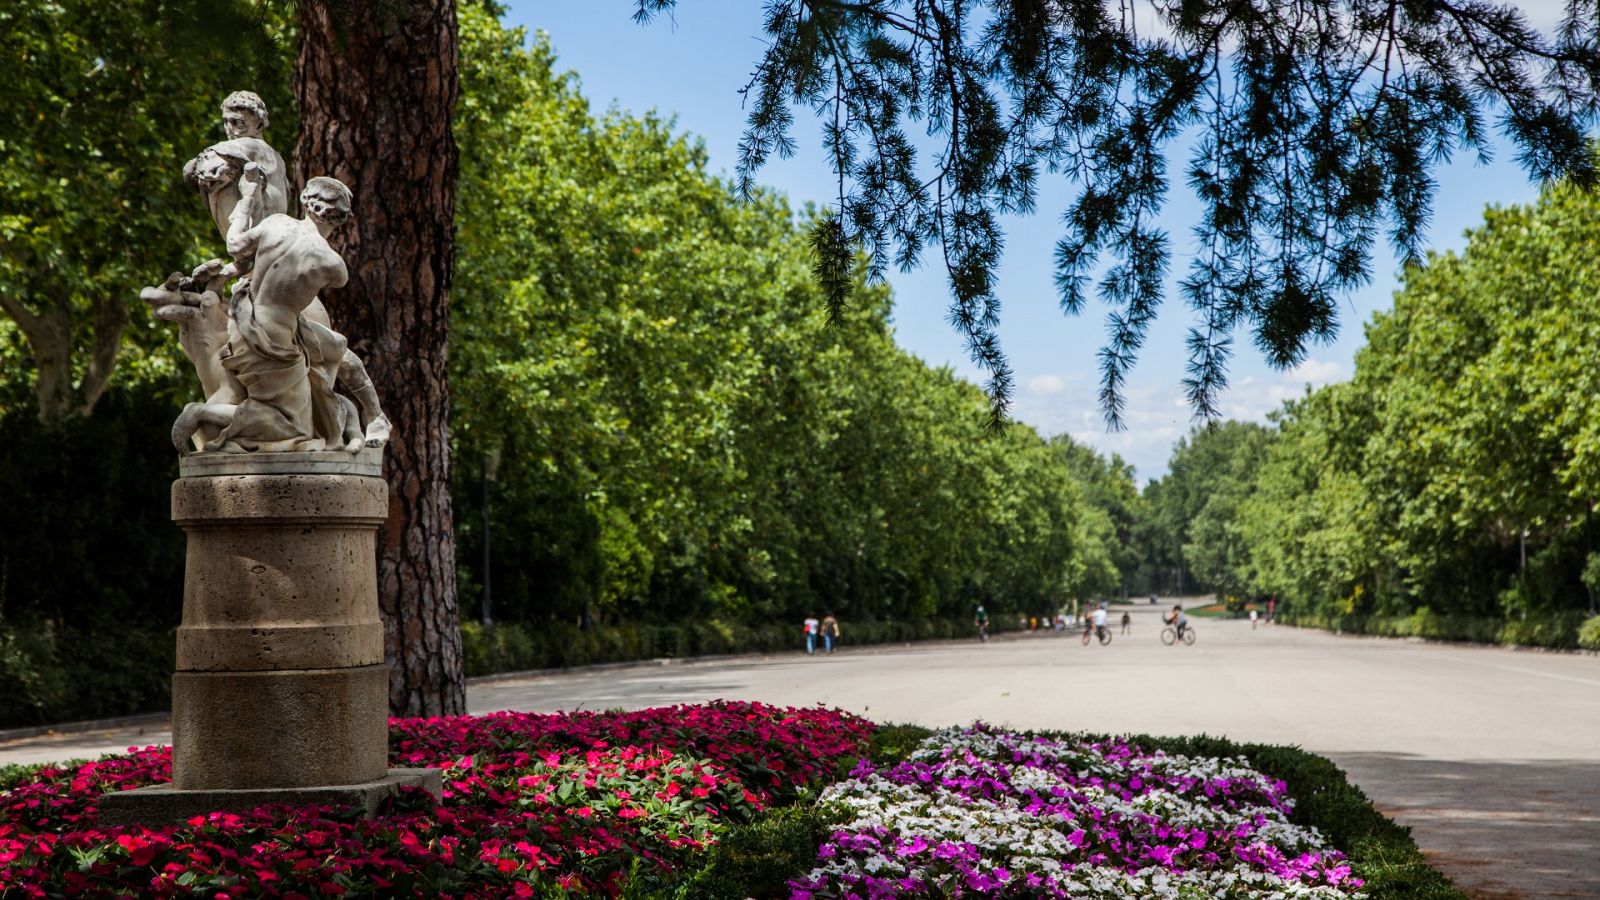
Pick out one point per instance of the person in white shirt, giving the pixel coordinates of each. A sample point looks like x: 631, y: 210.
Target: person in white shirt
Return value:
x: 811, y: 625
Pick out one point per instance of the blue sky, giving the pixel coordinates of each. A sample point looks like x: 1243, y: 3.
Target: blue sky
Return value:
x: 692, y: 67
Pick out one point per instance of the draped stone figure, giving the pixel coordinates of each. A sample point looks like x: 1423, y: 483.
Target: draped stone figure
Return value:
x: 282, y: 365
x: 244, y: 182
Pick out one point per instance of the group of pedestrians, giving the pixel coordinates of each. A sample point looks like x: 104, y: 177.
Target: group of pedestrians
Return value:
x: 1094, y: 623
x: 828, y: 628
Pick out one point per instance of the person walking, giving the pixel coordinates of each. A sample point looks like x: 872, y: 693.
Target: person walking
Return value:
x: 811, y: 626
x: 1127, y: 622
x: 830, y: 632
x: 1252, y: 620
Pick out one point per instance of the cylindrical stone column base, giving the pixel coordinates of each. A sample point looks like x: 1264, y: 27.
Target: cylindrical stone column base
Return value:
x: 280, y: 682
x: 281, y: 695
x: 284, y: 728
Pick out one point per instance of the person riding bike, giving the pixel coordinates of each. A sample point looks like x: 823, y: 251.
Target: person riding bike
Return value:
x: 980, y: 620
x: 1100, y: 619
x: 1178, y: 620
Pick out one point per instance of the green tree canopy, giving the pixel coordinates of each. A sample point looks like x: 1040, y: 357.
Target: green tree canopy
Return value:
x: 1458, y: 470
x: 642, y: 360
x: 102, y: 105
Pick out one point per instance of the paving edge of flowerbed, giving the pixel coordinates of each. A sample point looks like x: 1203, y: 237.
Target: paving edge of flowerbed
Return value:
x: 758, y: 859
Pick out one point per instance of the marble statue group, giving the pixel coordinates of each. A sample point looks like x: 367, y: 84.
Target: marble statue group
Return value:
x: 275, y: 374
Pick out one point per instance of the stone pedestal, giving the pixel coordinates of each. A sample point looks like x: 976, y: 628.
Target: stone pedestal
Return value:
x: 281, y: 693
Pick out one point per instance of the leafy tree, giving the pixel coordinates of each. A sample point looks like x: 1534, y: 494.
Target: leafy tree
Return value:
x: 1319, y: 126
x: 1212, y: 472
x: 675, y: 430
x: 103, y: 103
x: 1456, y: 471
x: 1110, y: 489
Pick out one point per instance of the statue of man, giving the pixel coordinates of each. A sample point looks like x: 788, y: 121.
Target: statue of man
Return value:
x: 217, y: 173
x: 282, y: 366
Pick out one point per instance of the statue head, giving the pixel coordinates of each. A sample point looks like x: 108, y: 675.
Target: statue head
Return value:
x: 244, y: 115
x: 213, y: 170
x: 327, y: 201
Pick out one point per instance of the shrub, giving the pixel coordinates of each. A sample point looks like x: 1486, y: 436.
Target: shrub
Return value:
x: 1552, y: 630
x: 1589, y: 634
x: 1557, y: 631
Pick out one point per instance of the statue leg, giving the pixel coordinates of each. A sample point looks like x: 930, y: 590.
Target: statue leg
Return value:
x: 354, y: 379
x: 198, y: 415
x: 351, y: 434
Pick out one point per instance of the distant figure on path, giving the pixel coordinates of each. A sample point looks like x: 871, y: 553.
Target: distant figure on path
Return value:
x: 830, y: 631
x: 1127, y: 622
x: 811, y: 626
x: 1252, y: 620
x: 1272, y: 609
x: 1178, y: 620
x: 980, y: 621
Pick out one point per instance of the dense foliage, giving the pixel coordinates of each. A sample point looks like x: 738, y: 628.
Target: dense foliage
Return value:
x: 661, y: 423
x: 1314, y: 128
x: 103, y: 103
x: 1449, y: 489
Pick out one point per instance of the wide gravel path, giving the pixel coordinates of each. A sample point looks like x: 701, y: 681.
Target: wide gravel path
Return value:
x: 1491, y: 756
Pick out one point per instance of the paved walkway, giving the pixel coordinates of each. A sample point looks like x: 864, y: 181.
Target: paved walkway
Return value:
x: 1491, y: 756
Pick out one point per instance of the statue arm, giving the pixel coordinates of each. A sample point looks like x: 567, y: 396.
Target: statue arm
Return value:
x: 243, y: 223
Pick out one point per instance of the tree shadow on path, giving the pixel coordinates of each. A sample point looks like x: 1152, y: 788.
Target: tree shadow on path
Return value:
x: 1498, y: 829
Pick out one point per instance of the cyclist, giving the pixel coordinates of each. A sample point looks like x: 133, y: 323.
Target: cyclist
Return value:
x: 1178, y: 620
x: 980, y: 620
x: 1100, y: 619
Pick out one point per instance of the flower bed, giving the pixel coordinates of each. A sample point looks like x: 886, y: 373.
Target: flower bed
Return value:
x: 719, y: 802
x: 977, y: 813
x: 535, y: 805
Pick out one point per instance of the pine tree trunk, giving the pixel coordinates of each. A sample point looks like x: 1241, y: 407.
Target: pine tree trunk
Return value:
x: 376, y: 82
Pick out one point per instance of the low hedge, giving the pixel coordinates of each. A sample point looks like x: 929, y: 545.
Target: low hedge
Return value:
x: 53, y: 673
x: 514, y: 647
x: 1556, y: 631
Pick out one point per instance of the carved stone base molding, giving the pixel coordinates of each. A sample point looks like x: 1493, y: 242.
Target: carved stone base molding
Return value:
x: 281, y: 693
x: 164, y: 804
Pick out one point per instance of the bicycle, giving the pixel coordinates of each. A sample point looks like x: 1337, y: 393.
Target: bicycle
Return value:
x: 1101, y: 632
x: 1170, y: 635
x: 983, y: 632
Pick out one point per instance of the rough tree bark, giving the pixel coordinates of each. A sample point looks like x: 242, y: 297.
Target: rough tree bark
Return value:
x: 376, y: 82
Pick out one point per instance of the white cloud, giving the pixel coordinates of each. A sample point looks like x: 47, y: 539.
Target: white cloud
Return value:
x: 1045, y: 385
x: 1250, y: 399
x: 1317, y: 372
x: 1156, y: 415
